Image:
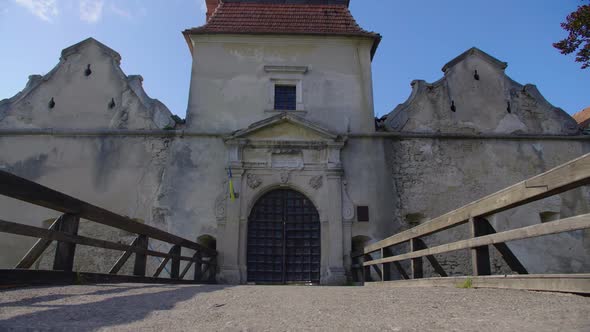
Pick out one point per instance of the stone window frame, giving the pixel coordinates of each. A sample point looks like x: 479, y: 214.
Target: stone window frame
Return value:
x: 286, y: 75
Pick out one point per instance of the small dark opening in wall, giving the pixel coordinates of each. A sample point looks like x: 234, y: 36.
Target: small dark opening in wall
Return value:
x: 207, y: 241
x: 362, y: 213
x: 415, y: 219
x: 548, y: 216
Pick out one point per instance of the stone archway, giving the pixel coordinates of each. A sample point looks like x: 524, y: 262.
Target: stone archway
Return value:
x: 210, y: 242
x: 283, y: 244
x: 207, y: 241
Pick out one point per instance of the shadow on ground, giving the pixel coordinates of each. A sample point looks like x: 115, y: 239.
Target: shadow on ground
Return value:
x: 112, y: 311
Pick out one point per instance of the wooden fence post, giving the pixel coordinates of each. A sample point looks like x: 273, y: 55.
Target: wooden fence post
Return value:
x: 198, y: 266
x: 367, y: 269
x: 65, y: 252
x: 480, y: 256
x: 140, y: 259
x: 212, y: 269
x: 416, y: 265
x: 175, y: 269
x: 386, y: 252
x: 362, y: 277
x: 385, y: 267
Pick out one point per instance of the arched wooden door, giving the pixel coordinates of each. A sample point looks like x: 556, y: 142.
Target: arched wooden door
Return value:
x: 284, y: 239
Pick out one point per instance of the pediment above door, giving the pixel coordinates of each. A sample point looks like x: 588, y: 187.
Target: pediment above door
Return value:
x: 285, y: 127
x: 284, y: 141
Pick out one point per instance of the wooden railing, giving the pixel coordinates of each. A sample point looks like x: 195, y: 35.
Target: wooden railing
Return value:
x: 64, y: 230
x: 568, y: 176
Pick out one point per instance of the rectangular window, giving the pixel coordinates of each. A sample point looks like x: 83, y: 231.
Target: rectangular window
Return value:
x: 285, y: 97
x: 362, y: 213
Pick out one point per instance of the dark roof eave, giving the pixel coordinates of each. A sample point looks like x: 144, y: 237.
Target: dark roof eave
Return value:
x: 376, y: 42
x: 375, y: 36
x: 186, y: 35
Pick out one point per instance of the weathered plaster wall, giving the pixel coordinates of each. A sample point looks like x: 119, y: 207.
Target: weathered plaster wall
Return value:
x: 365, y: 168
x: 121, y: 173
x: 229, y: 70
x: 194, y: 176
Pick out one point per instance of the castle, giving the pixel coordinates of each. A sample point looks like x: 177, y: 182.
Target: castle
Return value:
x: 281, y: 108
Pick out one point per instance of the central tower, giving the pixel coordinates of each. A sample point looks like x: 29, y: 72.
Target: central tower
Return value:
x: 285, y: 83
x: 252, y: 53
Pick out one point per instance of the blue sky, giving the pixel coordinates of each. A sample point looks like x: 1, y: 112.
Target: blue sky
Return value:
x: 419, y: 37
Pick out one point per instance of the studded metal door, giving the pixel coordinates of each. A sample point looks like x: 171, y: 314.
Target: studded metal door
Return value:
x: 284, y: 239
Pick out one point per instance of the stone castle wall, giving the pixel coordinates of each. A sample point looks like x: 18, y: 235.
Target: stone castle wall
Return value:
x: 483, y: 132
x: 432, y: 176
x: 111, y: 150
x: 120, y: 173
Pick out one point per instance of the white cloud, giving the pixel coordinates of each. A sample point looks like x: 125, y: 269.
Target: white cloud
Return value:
x: 91, y: 10
x: 137, y: 12
x: 120, y: 11
x: 44, y: 9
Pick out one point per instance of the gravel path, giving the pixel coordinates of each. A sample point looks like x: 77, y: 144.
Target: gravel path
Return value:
x: 132, y: 307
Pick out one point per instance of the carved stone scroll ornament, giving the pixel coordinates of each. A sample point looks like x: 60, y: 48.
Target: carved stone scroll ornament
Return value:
x: 347, y: 206
x: 253, y: 181
x: 221, y: 203
x: 316, y: 182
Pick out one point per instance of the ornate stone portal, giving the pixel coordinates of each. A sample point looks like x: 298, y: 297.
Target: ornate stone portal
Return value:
x: 284, y: 151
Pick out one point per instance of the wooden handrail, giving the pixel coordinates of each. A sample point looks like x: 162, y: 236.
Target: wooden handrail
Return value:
x: 557, y: 180
x: 554, y: 227
x: 50, y: 235
x: 565, y: 177
x: 65, y: 231
x: 28, y: 191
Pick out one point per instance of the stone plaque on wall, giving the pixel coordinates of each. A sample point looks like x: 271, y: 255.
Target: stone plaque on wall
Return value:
x: 288, y: 160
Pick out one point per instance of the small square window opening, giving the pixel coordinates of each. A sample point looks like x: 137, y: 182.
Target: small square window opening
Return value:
x: 285, y: 97
x: 362, y: 213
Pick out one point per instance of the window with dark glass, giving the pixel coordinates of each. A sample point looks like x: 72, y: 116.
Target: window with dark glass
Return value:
x: 285, y: 97
x: 362, y: 213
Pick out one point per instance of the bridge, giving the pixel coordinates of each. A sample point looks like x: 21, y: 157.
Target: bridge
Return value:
x: 37, y: 299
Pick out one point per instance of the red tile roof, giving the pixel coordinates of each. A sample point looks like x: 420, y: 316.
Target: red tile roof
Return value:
x: 583, y: 117
x: 274, y: 18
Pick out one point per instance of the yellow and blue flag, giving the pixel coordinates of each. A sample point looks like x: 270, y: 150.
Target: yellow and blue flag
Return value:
x: 232, y: 194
